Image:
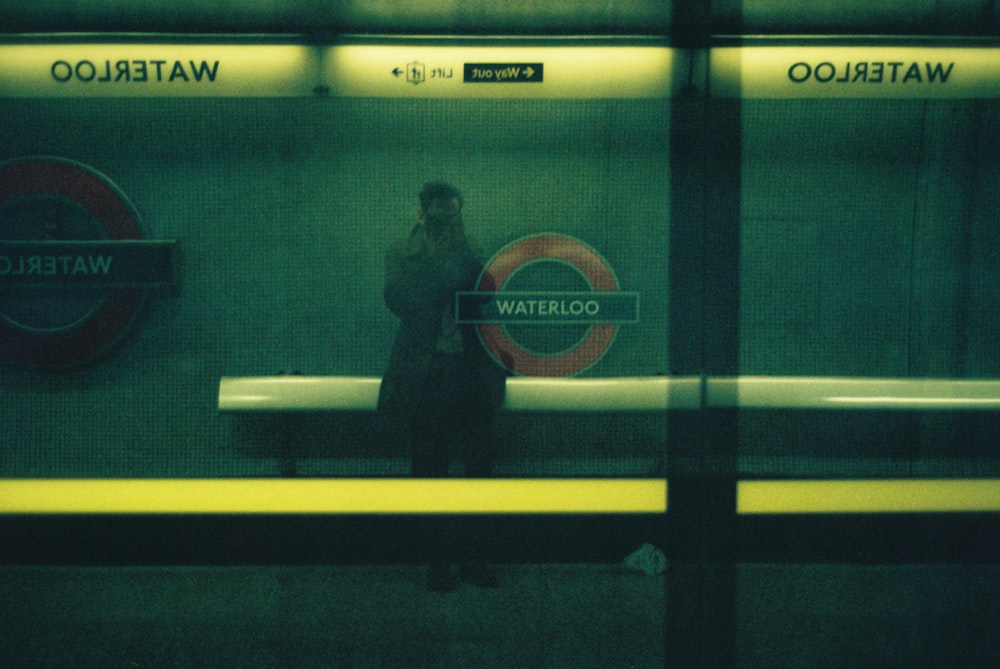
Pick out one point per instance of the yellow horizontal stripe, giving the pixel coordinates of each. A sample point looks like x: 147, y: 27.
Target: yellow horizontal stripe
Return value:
x: 868, y: 496
x: 389, y: 496
x: 391, y: 69
x: 331, y: 496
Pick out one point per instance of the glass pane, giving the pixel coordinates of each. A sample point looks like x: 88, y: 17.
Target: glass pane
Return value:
x: 867, y: 239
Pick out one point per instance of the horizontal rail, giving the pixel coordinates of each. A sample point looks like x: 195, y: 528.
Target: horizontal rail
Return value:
x: 332, y: 496
x: 298, y: 393
x: 653, y: 393
x: 825, y: 392
x: 357, y: 393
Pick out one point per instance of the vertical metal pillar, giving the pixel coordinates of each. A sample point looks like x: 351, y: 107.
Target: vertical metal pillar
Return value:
x: 705, y: 160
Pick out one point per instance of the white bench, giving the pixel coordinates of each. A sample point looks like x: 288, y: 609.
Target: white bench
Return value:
x: 635, y: 394
x: 360, y: 393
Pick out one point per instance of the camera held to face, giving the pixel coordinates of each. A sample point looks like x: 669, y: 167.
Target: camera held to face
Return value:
x: 442, y: 228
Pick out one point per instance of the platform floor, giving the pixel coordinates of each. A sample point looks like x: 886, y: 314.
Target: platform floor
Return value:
x: 557, y: 615
x: 543, y: 616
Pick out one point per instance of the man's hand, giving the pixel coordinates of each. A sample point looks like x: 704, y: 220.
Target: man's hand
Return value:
x: 440, y: 237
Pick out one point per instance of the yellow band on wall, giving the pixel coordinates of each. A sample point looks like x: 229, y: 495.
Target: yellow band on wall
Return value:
x: 331, y: 496
x: 868, y: 496
x: 491, y: 68
x: 393, y: 69
x: 500, y: 496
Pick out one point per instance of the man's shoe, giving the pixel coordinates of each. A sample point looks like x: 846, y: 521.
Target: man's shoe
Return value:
x: 440, y: 578
x: 478, y: 574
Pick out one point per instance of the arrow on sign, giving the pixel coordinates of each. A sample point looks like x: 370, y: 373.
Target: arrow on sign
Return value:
x: 396, y: 72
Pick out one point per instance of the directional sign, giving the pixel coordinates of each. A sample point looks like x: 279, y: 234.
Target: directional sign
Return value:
x: 503, y: 73
x: 579, y: 69
x: 415, y: 72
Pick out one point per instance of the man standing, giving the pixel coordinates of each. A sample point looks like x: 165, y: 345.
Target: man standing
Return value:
x: 440, y: 382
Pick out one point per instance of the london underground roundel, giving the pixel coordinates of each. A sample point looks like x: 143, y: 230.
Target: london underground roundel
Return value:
x: 547, y: 305
x: 63, y: 300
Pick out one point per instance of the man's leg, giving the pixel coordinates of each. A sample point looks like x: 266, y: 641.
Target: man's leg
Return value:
x: 478, y: 459
x: 429, y: 459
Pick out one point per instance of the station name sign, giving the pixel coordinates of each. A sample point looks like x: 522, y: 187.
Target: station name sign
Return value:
x: 871, y: 72
x: 119, y: 263
x: 76, y: 265
x: 125, y: 71
x: 855, y: 72
x: 157, y: 70
x: 560, y: 307
x: 513, y: 323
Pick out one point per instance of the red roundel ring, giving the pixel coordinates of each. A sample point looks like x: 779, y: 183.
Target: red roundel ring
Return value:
x: 547, y: 246
x: 107, y: 322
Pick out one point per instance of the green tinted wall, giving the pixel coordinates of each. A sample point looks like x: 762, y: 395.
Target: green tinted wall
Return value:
x: 283, y: 210
x: 868, y: 244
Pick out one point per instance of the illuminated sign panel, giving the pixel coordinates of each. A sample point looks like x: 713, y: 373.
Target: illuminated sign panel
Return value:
x: 351, y: 70
x: 433, y: 71
x: 855, y: 72
x: 480, y: 69
x: 156, y: 70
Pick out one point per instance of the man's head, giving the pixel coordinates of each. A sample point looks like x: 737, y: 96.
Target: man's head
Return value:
x: 441, y: 211
x: 435, y: 192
